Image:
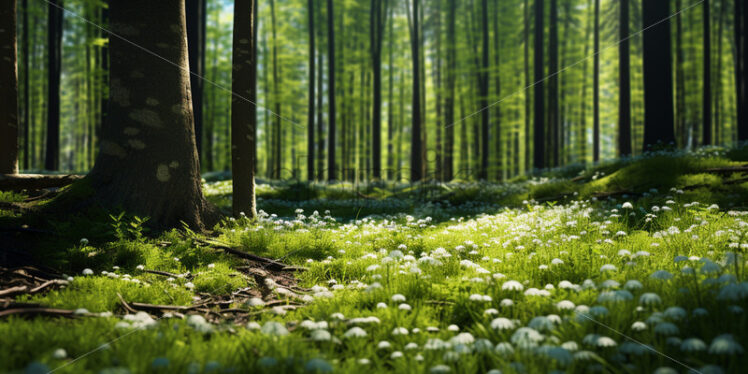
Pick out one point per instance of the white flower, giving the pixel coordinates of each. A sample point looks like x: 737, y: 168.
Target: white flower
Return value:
x: 384, y: 345
x: 274, y: 328
x: 627, y: 205
x: 649, y: 298
x: 404, y: 307
x: 565, y: 305
x: 59, y: 354
x: 725, y: 344
x: 398, y: 298
x: 87, y: 271
x: 400, y: 331
x: 321, y: 335
x: 440, y: 369
x: 608, y: 267
x: 512, y: 285
x: 526, y: 337
x: 692, y: 345
x: 639, y: 326
x: 662, y: 275
x: 355, y: 332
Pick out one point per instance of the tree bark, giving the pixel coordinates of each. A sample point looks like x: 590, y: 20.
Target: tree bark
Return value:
x: 553, y: 120
x: 310, y: 112
x: 528, y: 98
x: 26, y: 87
x: 449, y: 99
x: 377, y: 23
x: 539, y: 109
x: 8, y: 89
x: 596, y: 87
x: 741, y: 17
x: 483, y: 77
x: 416, y: 158
x: 331, y: 172
x: 54, y: 69
x: 147, y: 164
x: 243, y: 108
x: 658, y: 79
x: 624, y: 71
x: 390, y: 106
x: 707, y: 88
x: 196, y: 20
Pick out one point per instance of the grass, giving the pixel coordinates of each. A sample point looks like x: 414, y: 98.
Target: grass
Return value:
x: 427, y: 271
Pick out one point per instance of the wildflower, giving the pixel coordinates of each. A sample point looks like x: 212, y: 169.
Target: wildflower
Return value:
x: 355, y: 332
x: 400, y: 331
x: 87, y: 271
x: 274, y: 328
x: 666, y: 328
x: 59, y: 354
x: 693, y: 345
x: 649, y: 298
x: 526, y: 337
x: 725, y: 344
x: 404, y: 307
x: 627, y: 205
x: 318, y: 365
x: 440, y: 369
x: 512, y: 285
x: 384, y: 345
x: 565, y: 305
x: 320, y: 335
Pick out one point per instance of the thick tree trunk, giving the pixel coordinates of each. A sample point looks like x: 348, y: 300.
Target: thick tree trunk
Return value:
x: 680, y: 79
x: 624, y: 71
x: 8, y: 89
x: 707, y: 88
x: 147, y: 163
x: 449, y: 100
x: 331, y: 172
x: 54, y: 69
x: 416, y: 158
x: 528, y: 98
x: 658, y: 79
x: 539, y: 109
x: 310, y: 112
x: 243, y: 108
x: 196, y: 20
x: 377, y: 23
x: 741, y: 9
x: 391, y: 106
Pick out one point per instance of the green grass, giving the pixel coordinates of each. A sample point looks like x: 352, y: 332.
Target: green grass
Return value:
x: 450, y: 252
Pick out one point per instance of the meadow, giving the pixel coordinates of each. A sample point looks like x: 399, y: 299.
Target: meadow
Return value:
x: 631, y: 266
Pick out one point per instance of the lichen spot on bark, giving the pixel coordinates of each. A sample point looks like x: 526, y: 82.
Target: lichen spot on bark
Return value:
x: 151, y: 101
x: 131, y: 131
x: 146, y: 117
x: 174, y: 164
x: 136, y: 144
x: 162, y: 173
x: 112, y: 149
x: 118, y: 93
x: 244, y: 41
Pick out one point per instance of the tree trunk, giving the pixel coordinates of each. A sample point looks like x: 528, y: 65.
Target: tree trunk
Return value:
x: 624, y: 71
x: 741, y: 18
x: 539, y: 109
x: 416, y: 158
x: 26, y: 87
x: 528, y: 98
x: 390, y: 106
x: 331, y: 172
x: 243, y: 108
x: 553, y: 84
x: 310, y: 112
x: 320, y: 139
x: 8, y: 89
x: 449, y: 100
x: 147, y: 163
x: 54, y: 46
x: 596, y: 88
x: 277, y: 138
x: 196, y: 19
x: 680, y: 79
x: 439, y: 169
x: 707, y: 88
x: 658, y: 79
x: 497, y: 136
x: 377, y: 23
x: 483, y: 76
x: 718, y: 91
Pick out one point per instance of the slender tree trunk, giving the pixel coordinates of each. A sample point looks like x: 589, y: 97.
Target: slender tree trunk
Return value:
x: 243, y: 109
x: 54, y: 45
x: 331, y: 172
x: 277, y: 152
x: 680, y: 79
x: 718, y: 75
x: 658, y: 84
x: 740, y: 67
x: 707, y: 87
x: 390, y: 105
x: 416, y: 158
x: 147, y: 164
x: 310, y: 112
x: 320, y: 139
x: 528, y: 98
x: 377, y: 24
x: 8, y: 89
x: 553, y: 84
x: 483, y: 77
x: 596, y: 88
x: 539, y: 156
x: 439, y: 170
x: 449, y: 100
x: 26, y: 88
x: 624, y: 71
x: 497, y: 136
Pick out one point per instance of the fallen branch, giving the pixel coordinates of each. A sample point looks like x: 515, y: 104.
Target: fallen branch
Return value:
x: 38, y: 311
x: 168, y: 274
x: 727, y: 170
x: 19, y: 182
x: 269, y: 263
x: 13, y: 291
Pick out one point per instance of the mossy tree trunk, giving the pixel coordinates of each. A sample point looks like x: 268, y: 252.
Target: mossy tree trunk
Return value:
x: 147, y: 164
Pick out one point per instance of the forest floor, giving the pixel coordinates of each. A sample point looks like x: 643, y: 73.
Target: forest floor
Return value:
x: 630, y: 266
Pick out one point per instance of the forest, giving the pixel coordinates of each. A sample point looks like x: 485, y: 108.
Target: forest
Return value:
x: 439, y: 186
